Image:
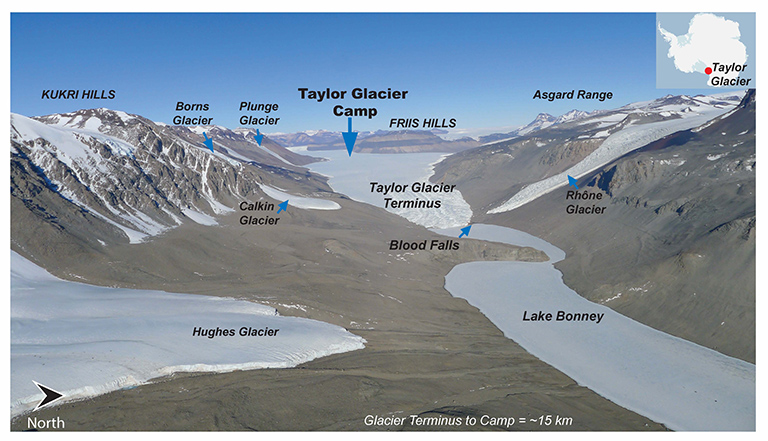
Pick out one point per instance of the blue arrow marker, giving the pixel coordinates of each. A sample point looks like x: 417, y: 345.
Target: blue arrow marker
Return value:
x: 283, y: 206
x: 349, y: 137
x: 208, y: 142
x: 258, y: 137
x: 572, y: 181
x: 465, y: 231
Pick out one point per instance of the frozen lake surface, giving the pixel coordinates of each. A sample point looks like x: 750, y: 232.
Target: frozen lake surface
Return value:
x: 667, y: 379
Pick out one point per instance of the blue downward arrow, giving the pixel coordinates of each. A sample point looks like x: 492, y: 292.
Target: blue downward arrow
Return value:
x: 572, y: 181
x: 465, y: 231
x: 283, y: 206
x: 349, y: 137
x: 258, y: 137
x: 208, y: 142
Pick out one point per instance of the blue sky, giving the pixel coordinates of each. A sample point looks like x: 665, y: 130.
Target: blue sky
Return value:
x: 481, y: 69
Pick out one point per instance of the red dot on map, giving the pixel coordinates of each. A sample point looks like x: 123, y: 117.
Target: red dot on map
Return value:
x: 708, y: 70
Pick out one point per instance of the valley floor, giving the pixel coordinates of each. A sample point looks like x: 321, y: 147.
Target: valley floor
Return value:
x: 427, y: 352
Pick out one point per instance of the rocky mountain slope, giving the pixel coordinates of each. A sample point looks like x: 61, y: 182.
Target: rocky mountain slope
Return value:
x: 311, y: 138
x: 675, y: 248
x: 542, y: 121
x: 106, y: 177
x: 526, y: 167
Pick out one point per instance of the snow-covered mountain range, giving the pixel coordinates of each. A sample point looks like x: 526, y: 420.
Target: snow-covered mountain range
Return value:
x: 128, y: 177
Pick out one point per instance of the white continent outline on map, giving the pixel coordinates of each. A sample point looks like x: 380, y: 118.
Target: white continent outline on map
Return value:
x: 710, y: 39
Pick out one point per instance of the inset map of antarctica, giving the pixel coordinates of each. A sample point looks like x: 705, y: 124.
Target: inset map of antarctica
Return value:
x: 705, y: 49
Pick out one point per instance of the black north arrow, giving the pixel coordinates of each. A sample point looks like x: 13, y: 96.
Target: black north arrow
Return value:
x: 50, y: 395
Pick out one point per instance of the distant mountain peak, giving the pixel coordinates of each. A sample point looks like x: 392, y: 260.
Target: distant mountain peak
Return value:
x: 570, y: 116
x: 667, y: 106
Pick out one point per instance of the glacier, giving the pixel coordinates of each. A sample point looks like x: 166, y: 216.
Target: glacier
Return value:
x: 631, y: 137
x: 354, y: 181
x: 85, y: 340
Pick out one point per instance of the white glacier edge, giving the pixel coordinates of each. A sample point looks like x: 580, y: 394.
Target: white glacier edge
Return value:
x: 615, y: 146
x: 355, y: 181
x: 84, y: 340
x: 301, y: 202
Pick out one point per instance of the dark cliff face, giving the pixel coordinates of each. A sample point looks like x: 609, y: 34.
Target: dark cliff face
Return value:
x: 749, y: 99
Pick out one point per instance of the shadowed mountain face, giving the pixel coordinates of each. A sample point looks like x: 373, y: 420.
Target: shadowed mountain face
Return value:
x: 675, y: 247
x: 100, y: 177
x: 490, y: 175
x: 689, y: 201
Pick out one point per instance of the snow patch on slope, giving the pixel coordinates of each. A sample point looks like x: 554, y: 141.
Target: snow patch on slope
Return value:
x: 299, y: 201
x: 200, y: 218
x: 76, y: 143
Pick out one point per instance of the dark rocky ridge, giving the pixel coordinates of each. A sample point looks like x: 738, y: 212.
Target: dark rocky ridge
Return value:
x: 147, y: 184
x: 675, y: 248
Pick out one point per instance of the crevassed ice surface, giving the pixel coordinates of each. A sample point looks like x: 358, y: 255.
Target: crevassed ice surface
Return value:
x: 352, y: 176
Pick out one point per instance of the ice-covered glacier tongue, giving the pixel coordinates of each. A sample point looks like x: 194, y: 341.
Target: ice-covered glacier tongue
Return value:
x: 354, y: 180
x: 85, y: 340
x: 617, y: 144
